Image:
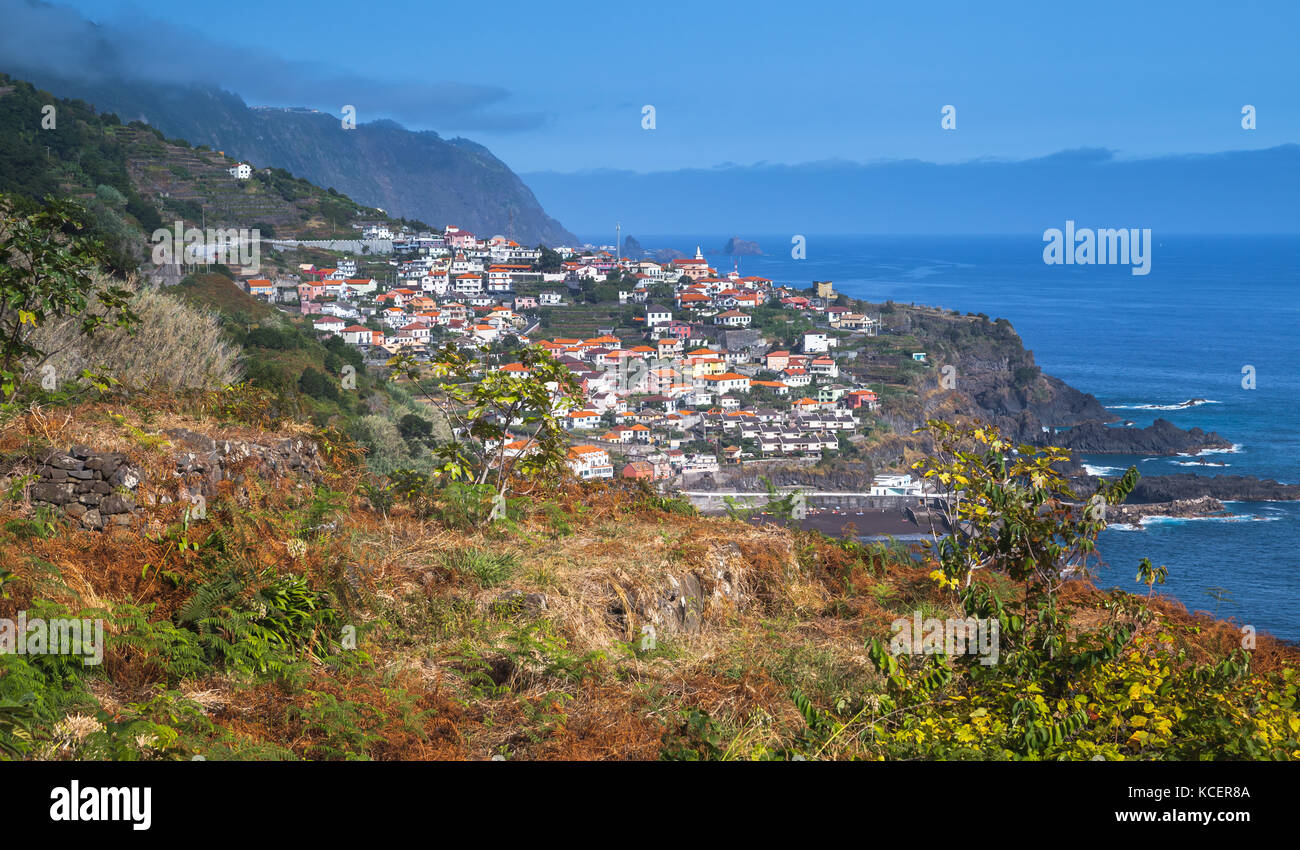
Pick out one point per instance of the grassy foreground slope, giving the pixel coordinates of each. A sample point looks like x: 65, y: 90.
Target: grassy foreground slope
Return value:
x: 305, y: 615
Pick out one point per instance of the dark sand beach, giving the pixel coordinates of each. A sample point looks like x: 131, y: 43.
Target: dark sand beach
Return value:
x: 868, y: 523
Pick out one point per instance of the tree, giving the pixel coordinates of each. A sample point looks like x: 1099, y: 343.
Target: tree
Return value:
x: 1045, y: 684
x: 602, y: 293
x: 413, y: 427
x: 1008, y: 510
x: 48, y: 271
x: 549, y: 261
x: 316, y: 384
x: 486, y: 411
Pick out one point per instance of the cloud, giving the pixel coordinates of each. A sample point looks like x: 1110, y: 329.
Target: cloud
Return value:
x: 59, y: 40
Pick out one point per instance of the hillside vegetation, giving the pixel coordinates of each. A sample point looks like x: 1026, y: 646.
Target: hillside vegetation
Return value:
x: 135, y: 180
x: 311, y: 615
x: 413, y: 174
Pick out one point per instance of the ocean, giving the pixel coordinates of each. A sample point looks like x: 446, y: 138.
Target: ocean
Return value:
x: 1210, y: 307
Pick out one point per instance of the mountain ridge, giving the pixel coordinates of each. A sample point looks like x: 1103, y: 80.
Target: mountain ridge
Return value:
x: 1241, y: 191
x: 407, y: 173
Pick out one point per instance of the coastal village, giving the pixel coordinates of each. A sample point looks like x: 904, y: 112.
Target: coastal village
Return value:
x: 696, y: 369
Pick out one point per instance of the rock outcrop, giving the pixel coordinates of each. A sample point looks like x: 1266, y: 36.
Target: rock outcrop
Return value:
x: 1232, y: 488
x: 1133, y: 513
x: 1161, y: 437
x: 741, y: 248
x: 679, y: 605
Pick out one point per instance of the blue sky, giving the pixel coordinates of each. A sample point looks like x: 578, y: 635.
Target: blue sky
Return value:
x: 560, y: 86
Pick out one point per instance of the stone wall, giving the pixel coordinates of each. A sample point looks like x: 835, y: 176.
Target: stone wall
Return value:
x: 93, y: 488
x: 204, y: 462
x: 103, y: 488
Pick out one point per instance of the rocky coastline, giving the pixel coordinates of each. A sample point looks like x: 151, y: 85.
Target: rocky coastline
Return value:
x: 1133, y: 514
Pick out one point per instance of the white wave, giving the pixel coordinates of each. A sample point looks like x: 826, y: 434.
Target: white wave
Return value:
x: 1256, y: 501
x: 1191, y: 402
x: 1196, y: 463
x: 1101, y: 470
x: 1234, y: 449
x: 1178, y: 520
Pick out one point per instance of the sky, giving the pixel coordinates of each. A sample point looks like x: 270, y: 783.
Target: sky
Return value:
x: 562, y: 86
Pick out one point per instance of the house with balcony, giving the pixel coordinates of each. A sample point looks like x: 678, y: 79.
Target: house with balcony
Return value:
x: 589, y: 462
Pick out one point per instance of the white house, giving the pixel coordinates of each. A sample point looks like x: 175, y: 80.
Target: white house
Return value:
x: 896, y: 485
x: 657, y: 315
x: 358, y: 335
x: 732, y: 319
x: 243, y: 171
x: 725, y: 383
x: 590, y: 462
x: 824, y: 367
x: 469, y: 284
x: 583, y: 419
x: 818, y: 343
x: 332, y: 324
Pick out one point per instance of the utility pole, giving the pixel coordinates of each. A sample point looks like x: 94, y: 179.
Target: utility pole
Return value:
x: 618, y: 242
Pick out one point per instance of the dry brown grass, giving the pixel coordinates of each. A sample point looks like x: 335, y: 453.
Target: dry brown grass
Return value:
x: 778, y: 608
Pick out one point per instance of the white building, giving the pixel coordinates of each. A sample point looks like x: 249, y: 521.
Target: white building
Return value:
x: 818, y: 343
x: 590, y: 462
x: 896, y: 485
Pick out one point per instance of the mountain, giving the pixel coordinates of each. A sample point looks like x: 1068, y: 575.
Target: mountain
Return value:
x: 132, y: 180
x: 408, y: 174
x: 1248, y: 191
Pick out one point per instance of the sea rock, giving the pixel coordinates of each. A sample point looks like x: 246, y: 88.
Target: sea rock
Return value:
x: 1231, y: 488
x: 1131, y: 514
x: 1161, y: 437
x: 740, y: 247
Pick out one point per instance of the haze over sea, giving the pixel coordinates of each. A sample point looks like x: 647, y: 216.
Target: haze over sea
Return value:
x: 1209, y: 306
